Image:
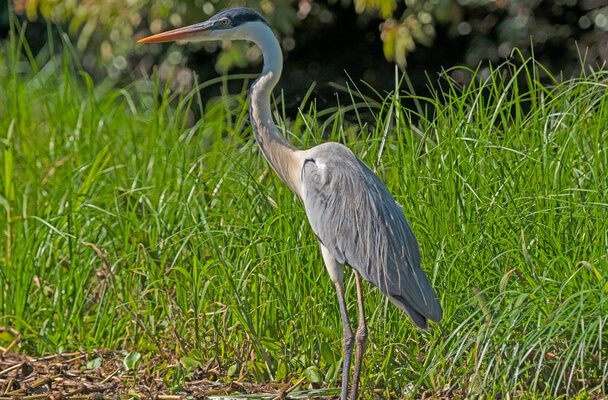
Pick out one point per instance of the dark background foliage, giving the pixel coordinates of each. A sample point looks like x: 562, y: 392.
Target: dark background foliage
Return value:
x: 328, y: 41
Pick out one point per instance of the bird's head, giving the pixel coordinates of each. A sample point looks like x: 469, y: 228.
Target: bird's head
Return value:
x: 232, y: 24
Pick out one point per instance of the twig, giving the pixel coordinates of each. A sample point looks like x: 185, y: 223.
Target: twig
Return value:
x: 11, y: 368
x: 10, y: 346
x: 107, y: 378
x: 291, y: 389
x: 60, y: 355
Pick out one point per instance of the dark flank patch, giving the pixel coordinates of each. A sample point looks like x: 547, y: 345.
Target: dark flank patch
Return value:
x: 240, y: 15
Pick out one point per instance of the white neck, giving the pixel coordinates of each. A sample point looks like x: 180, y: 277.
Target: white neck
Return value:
x: 261, y: 34
x: 277, y: 150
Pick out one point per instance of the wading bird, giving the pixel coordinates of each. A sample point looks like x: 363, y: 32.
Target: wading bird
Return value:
x: 356, y: 220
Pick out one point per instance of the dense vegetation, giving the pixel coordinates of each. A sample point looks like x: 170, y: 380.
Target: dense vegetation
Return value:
x: 140, y: 219
x: 561, y: 31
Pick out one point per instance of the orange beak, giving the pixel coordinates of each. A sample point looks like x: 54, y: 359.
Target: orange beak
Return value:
x: 185, y: 33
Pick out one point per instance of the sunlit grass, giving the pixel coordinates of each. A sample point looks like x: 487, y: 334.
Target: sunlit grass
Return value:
x: 127, y: 223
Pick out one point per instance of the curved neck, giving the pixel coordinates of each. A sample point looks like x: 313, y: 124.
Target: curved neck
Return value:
x: 277, y: 150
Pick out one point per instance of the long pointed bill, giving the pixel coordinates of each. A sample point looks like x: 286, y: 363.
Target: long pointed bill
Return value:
x: 185, y: 33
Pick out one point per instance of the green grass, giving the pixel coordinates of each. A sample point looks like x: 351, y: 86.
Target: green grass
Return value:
x: 129, y: 223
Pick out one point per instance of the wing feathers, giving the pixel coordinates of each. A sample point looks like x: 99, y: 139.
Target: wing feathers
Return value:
x: 358, y: 221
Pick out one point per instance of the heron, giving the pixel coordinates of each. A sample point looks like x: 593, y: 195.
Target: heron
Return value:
x: 358, y: 224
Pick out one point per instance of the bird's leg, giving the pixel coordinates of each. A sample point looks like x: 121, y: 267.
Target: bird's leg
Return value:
x: 360, y: 338
x: 336, y: 272
x: 347, y: 339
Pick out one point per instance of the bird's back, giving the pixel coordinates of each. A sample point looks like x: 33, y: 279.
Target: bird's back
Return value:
x: 360, y: 223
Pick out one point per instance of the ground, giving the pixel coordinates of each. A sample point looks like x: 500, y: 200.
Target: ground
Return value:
x: 71, y: 376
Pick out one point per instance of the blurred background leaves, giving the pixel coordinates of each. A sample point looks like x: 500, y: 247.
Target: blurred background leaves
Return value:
x: 563, y: 32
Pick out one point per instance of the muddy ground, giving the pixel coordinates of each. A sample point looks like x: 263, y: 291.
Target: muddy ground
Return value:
x: 103, y: 375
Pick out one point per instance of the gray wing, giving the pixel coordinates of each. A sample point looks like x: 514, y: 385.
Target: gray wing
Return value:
x: 360, y: 223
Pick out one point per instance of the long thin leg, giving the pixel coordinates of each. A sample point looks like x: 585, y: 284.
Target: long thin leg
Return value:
x: 361, y: 338
x: 336, y: 272
x: 347, y: 340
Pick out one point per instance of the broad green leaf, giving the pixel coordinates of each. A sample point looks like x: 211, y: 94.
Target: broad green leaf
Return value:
x: 131, y: 359
x: 313, y: 374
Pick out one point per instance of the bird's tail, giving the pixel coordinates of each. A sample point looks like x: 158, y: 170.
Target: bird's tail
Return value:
x: 419, y: 319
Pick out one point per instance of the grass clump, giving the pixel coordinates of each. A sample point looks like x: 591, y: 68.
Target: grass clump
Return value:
x: 128, y: 222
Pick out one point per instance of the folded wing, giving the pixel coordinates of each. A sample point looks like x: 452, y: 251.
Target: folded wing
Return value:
x: 360, y: 223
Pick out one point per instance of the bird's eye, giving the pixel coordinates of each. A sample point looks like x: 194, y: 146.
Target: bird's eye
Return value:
x: 224, y: 21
